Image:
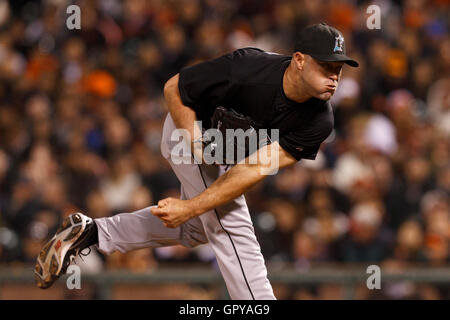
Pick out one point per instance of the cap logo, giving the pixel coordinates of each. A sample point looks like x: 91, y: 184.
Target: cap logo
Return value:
x: 338, y: 44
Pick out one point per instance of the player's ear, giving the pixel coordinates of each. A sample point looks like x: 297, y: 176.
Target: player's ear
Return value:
x: 299, y: 59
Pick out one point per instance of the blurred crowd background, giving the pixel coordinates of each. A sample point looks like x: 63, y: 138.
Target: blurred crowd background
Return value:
x: 81, y: 113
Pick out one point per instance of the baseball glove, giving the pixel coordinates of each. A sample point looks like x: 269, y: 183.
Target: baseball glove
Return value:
x: 242, y: 145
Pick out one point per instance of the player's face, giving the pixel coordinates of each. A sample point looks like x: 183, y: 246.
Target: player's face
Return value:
x: 321, y: 77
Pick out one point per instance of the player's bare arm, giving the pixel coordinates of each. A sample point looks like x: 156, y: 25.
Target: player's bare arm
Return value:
x: 183, y: 116
x: 173, y: 212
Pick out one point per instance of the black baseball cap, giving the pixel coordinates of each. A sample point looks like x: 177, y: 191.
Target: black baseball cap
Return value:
x: 324, y: 43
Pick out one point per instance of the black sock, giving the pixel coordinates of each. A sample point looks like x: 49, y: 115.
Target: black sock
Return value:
x: 92, y: 236
x: 88, y: 238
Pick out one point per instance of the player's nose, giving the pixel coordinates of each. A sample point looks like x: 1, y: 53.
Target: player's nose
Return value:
x: 334, y: 77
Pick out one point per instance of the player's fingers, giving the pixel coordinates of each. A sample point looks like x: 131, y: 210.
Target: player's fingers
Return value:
x: 161, y: 203
x: 168, y: 224
x: 165, y: 217
x: 158, y: 212
x: 175, y: 224
x: 164, y: 202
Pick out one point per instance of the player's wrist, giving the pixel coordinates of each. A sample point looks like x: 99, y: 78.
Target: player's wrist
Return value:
x: 195, y: 210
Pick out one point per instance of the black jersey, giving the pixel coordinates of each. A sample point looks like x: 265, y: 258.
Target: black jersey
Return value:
x: 250, y: 81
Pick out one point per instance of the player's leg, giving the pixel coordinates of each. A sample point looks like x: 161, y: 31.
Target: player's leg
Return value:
x: 122, y: 232
x: 141, y: 229
x: 230, y: 233
x: 229, y: 229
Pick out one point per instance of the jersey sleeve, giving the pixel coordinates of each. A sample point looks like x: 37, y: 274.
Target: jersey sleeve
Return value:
x: 205, y: 84
x: 304, y: 143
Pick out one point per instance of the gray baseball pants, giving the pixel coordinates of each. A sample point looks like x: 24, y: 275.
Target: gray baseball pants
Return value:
x: 228, y: 229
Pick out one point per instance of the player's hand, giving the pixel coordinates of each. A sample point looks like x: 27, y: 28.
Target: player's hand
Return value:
x: 173, y: 212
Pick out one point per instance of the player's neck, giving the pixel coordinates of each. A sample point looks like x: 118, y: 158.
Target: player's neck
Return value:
x: 293, y: 86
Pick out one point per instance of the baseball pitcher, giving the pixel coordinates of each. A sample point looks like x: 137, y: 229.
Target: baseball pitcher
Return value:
x: 247, y: 89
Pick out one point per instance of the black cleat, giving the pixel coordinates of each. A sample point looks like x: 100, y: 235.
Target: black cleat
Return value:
x: 54, y: 258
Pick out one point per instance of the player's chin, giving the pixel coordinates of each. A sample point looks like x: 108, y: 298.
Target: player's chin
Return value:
x: 325, y: 95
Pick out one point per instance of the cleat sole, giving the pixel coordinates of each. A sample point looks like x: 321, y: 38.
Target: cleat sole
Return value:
x: 55, y: 256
